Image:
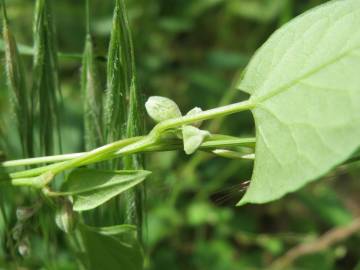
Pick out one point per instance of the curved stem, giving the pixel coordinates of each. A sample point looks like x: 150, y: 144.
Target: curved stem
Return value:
x: 205, y: 115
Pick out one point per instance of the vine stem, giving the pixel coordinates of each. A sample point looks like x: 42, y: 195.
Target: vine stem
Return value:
x: 213, y: 142
x: 123, y: 147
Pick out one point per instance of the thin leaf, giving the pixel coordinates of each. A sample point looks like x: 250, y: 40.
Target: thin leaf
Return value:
x: 305, y: 85
x: 46, y: 89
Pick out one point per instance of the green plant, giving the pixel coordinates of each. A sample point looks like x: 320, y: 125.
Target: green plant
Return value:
x: 304, y: 96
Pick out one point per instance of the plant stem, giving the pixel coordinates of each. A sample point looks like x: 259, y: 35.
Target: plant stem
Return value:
x: 130, y: 145
x: 205, y: 115
x: 215, y: 141
x: 88, y: 157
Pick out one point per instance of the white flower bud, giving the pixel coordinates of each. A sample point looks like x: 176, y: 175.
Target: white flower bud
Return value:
x: 24, y: 213
x: 24, y: 247
x: 195, y: 111
x: 65, y: 217
x: 193, y: 138
x: 161, y: 108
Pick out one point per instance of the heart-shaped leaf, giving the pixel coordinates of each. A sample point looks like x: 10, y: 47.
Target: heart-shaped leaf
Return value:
x: 305, y: 84
x: 91, y: 188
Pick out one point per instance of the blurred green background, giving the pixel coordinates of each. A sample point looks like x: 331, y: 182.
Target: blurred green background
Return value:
x: 189, y: 51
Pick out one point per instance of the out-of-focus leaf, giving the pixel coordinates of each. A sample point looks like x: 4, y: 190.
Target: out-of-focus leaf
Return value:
x: 259, y: 10
x: 110, y: 253
x: 202, y: 213
x: 326, y: 204
x: 115, y: 230
x: 197, y: 7
x: 222, y: 59
x: 91, y: 188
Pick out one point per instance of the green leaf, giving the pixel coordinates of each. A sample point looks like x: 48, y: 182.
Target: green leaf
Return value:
x: 91, y: 188
x: 305, y: 84
x: 108, y: 252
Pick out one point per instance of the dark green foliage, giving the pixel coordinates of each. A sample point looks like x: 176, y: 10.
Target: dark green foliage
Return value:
x: 114, y: 251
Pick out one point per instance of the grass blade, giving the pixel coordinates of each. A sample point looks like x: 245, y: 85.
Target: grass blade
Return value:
x: 135, y: 121
x: 46, y: 89
x: 16, y: 81
x: 92, y: 95
x: 122, y: 107
x: 117, y: 82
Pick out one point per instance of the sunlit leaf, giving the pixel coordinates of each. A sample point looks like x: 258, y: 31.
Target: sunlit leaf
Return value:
x: 305, y: 85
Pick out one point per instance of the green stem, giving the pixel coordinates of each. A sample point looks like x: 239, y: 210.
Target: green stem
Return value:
x: 205, y: 115
x: 88, y: 157
x: 215, y: 141
x: 39, y: 160
x: 127, y: 146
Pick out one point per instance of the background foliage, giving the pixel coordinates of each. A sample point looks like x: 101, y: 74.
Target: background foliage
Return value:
x: 189, y: 51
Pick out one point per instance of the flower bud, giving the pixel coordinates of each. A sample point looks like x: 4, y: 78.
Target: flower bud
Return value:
x: 65, y: 217
x: 17, y: 231
x: 24, y: 213
x: 195, y: 111
x: 161, y: 108
x: 193, y: 138
x: 24, y: 247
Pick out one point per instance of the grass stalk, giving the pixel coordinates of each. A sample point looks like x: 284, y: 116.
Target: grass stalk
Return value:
x: 46, y: 88
x: 16, y: 81
x: 92, y: 92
